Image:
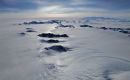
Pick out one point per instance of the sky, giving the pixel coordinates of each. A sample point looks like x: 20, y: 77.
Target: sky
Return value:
x: 64, y: 8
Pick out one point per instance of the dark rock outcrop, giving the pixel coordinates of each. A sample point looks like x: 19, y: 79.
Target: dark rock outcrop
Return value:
x: 22, y: 33
x: 115, y: 29
x: 58, y: 48
x: 45, y: 22
x: 125, y: 32
x: 33, y: 22
x: 51, y: 35
x: 86, y: 26
x: 30, y: 30
x: 127, y: 29
x: 70, y: 26
x: 50, y: 41
x: 104, y: 28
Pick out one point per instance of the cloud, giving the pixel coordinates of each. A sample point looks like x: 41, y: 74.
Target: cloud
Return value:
x: 111, y: 4
x: 34, y: 4
x: 18, y: 5
x: 66, y: 6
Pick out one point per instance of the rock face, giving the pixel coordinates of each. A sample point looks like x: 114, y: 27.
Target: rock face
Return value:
x: 104, y: 28
x: 125, y: 32
x: 115, y: 29
x: 45, y: 22
x: 86, y: 26
x: 58, y: 48
x: 50, y: 41
x: 121, y: 30
x: 22, y: 33
x: 51, y: 35
x: 127, y: 28
x: 30, y: 30
x: 70, y: 26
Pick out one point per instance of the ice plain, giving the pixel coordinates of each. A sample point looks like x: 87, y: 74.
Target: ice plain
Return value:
x: 95, y: 53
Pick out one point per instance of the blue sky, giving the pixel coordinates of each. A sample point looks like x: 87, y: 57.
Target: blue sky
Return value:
x: 66, y: 7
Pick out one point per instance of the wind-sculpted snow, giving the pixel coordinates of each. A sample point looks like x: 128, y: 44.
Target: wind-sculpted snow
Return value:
x: 91, y: 68
x: 79, y: 49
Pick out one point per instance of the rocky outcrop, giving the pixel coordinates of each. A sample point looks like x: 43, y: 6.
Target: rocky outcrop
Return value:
x: 104, y: 28
x: 30, y: 30
x: 125, y: 32
x: 58, y: 48
x: 44, y: 22
x: 86, y: 26
x: 70, y: 26
x: 50, y: 41
x: 22, y: 33
x: 51, y: 35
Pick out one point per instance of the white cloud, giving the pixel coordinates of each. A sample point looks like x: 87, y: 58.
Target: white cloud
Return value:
x: 50, y: 9
x: 60, y: 8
